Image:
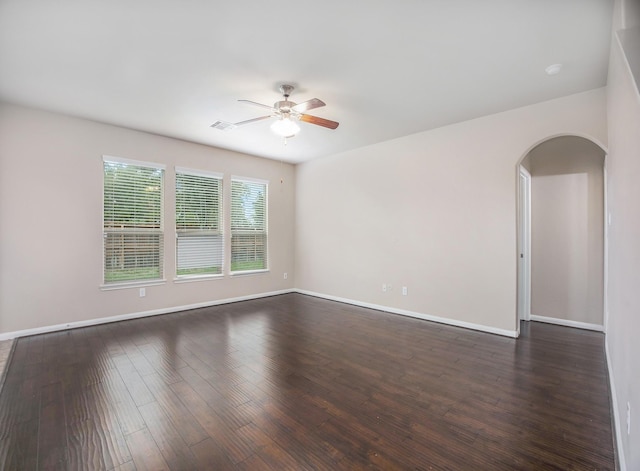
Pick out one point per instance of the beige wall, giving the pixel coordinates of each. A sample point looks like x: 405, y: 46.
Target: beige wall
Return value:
x: 623, y: 193
x: 567, y: 230
x: 434, y: 211
x: 51, y: 220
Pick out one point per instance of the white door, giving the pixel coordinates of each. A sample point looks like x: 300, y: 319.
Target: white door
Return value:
x: 524, y: 245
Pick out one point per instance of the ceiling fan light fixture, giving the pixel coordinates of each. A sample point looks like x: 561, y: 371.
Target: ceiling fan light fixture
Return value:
x: 285, y: 127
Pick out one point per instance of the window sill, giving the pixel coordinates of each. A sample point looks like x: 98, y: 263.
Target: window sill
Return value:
x: 249, y: 272
x: 132, y: 284
x: 190, y: 278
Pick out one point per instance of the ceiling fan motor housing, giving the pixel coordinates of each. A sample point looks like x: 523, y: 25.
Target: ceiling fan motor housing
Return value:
x: 284, y: 106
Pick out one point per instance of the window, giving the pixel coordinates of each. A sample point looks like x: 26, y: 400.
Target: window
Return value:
x: 133, y: 232
x: 248, y: 225
x: 199, y: 239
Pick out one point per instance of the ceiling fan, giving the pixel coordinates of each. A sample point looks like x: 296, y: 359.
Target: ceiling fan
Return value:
x: 286, y: 113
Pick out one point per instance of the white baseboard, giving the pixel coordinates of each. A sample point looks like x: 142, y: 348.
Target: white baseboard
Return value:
x: 568, y: 323
x: 134, y: 315
x: 418, y: 315
x: 616, y: 417
x: 404, y: 312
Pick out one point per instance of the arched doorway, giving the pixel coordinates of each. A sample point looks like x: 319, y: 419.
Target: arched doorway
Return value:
x: 564, y: 242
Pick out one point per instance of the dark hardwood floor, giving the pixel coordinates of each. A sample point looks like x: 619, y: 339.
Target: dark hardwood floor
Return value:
x: 295, y: 382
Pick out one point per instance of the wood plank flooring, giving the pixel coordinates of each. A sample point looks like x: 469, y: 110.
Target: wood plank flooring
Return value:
x: 294, y: 382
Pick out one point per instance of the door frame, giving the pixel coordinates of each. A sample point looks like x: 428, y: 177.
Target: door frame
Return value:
x: 524, y: 246
x: 605, y: 263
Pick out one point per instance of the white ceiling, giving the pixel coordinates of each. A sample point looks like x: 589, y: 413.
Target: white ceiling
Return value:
x: 385, y: 68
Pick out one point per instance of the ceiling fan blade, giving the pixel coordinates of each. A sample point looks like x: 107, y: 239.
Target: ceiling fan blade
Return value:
x: 252, y: 120
x: 258, y: 104
x: 307, y: 118
x: 308, y: 105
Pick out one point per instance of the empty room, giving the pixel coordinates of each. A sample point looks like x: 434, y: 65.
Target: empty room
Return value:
x: 325, y: 236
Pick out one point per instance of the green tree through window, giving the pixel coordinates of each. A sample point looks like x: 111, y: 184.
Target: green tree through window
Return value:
x: 248, y: 225
x: 133, y: 236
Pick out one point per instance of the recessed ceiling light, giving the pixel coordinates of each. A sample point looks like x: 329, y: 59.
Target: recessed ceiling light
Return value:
x: 553, y: 69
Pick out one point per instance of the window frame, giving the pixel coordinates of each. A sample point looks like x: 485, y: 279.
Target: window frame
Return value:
x: 221, y: 227
x: 110, y: 285
x: 251, y: 181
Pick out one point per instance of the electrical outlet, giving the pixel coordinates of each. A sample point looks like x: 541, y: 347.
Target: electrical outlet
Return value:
x: 285, y: 276
x: 143, y: 292
x: 628, y: 418
x: 405, y: 291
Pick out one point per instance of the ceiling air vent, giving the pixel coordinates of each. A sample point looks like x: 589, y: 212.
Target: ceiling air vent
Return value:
x: 223, y: 126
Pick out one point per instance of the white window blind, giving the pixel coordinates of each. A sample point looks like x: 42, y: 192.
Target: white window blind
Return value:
x: 133, y: 232
x: 200, y: 243
x: 248, y: 225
